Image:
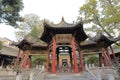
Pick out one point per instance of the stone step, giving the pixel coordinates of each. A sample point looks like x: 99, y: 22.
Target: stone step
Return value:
x: 67, y: 76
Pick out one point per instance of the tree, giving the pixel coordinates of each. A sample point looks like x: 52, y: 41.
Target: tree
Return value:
x: 9, y: 11
x: 93, y: 59
x: 104, y: 15
x: 31, y: 25
x: 38, y: 60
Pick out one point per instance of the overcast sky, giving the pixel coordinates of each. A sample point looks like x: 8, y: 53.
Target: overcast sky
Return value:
x: 52, y: 10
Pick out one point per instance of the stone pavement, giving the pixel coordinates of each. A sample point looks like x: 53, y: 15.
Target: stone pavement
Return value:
x: 65, y: 76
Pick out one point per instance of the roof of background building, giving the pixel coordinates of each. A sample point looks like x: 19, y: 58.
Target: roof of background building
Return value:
x: 7, y: 48
x: 30, y: 43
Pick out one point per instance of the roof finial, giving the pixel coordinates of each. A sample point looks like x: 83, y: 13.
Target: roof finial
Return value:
x: 62, y: 18
x: 44, y: 21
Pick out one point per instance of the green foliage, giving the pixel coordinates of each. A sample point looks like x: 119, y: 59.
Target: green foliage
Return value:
x: 38, y: 60
x: 103, y: 15
x: 9, y: 11
x: 93, y: 59
x: 37, y: 31
x: 31, y: 25
x: 1, y: 45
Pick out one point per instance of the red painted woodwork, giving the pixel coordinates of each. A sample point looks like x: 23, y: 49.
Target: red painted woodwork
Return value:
x: 108, y: 54
x: 22, y: 56
x: 22, y: 60
x: 81, y: 61
x: 17, y: 60
x: 74, y: 56
x: 26, y: 59
x: 54, y: 56
x: 24, y: 65
x: 48, y: 58
x: 112, y: 52
x: 105, y: 57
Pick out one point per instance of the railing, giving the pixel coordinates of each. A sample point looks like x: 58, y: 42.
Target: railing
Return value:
x: 99, y: 73
x: 91, y: 73
x: 25, y: 74
x: 39, y: 74
x: 7, y: 74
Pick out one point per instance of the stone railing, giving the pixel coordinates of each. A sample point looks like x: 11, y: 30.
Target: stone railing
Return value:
x: 100, y: 73
x: 31, y: 74
x: 7, y: 74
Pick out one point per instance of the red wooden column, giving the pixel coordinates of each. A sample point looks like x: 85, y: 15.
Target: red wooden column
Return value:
x: 22, y: 60
x: 17, y: 60
x: 54, y: 56
x: 22, y: 57
x: 48, y: 58
x: 74, y: 56
x: 26, y: 59
x: 29, y: 62
x: 105, y: 57
x: 112, y: 52
x: 109, y: 55
x: 81, y: 61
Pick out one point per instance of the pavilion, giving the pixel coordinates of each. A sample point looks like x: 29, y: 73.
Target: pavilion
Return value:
x: 64, y: 45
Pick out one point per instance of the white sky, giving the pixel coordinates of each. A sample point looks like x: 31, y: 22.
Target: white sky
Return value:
x: 52, y: 10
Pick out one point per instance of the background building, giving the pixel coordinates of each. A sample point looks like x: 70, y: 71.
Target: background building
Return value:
x: 8, y: 53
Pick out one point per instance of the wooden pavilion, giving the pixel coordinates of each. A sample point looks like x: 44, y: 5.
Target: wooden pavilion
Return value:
x: 65, y: 44
x: 27, y: 48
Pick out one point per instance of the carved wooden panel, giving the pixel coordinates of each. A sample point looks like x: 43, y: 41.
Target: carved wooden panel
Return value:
x: 63, y: 38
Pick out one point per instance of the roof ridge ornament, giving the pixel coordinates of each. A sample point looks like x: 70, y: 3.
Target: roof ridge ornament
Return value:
x: 63, y: 19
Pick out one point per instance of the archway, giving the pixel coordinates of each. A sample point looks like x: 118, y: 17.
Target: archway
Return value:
x: 64, y: 58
